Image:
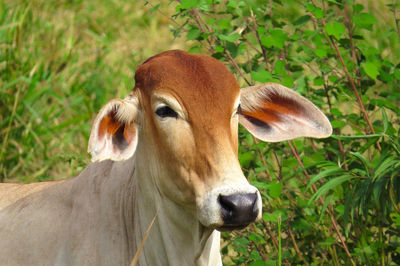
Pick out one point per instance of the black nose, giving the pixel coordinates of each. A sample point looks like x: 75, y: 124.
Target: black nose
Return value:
x: 238, y: 209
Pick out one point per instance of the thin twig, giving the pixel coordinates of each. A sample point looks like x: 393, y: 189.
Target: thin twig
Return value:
x: 296, y: 248
x: 396, y: 21
x: 228, y: 54
x: 264, y: 53
x: 353, y: 86
x: 259, y: 251
x: 163, y: 14
x: 197, y: 18
x: 146, y: 235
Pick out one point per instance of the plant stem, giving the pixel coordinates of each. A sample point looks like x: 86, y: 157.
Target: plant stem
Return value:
x: 351, y: 80
x: 321, y: 200
x: 253, y: 19
x: 296, y: 248
x: 280, y: 242
x: 5, y: 140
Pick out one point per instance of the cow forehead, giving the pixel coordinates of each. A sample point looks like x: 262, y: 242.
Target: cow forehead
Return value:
x: 200, y: 83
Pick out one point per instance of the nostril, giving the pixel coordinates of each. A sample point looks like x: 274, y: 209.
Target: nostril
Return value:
x: 228, y: 203
x: 238, y: 209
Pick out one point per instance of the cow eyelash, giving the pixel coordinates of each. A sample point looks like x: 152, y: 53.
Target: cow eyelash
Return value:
x: 166, y: 111
x: 239, y: 110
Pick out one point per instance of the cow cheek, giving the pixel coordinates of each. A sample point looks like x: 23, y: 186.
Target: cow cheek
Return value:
x: 178, y: 153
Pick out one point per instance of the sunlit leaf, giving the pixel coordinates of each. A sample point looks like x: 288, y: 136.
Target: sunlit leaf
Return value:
x: 335, y: 29
x: 371, y: 69
x: 188, y: 4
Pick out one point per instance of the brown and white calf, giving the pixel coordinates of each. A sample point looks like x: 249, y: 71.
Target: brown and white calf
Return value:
x: 169, y: 148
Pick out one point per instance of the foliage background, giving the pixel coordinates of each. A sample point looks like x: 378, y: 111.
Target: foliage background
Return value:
x: 332, y: 201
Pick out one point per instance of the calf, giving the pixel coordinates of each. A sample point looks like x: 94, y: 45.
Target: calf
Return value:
x: 168, y: 150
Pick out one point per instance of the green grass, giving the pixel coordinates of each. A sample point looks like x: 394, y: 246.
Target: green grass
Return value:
x: 60, y: 61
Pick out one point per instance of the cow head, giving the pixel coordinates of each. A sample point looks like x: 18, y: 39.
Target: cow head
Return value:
x: 181, y: 123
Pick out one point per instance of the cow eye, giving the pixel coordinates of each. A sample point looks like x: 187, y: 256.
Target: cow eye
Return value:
x: 166, y: 111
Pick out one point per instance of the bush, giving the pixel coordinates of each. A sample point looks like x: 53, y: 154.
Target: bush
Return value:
x: 337, y: 200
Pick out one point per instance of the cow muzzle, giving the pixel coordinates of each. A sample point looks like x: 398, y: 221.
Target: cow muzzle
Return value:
x: 230, y: 207
x: 238, y: 210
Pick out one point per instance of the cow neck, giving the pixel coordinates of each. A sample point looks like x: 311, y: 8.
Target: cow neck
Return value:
x: 176, y: 237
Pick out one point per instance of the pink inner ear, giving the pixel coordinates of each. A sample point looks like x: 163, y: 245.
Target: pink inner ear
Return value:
x: 129, y: 132
x: 263, y: 114
x: 272, y: 112
x: 108, y: 125
x: 121, y: 134
x: 275, y: 106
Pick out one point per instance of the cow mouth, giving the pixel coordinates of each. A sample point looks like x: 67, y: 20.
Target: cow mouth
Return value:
x: 228, y: 227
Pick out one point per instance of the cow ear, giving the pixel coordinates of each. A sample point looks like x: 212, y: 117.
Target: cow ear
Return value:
x: 114, y: 132
x: 272, y: 112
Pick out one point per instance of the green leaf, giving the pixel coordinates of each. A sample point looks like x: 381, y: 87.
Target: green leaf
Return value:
x: 310, y: 7
x: 370, y: 142
x: 193, y: 33
x: 224, y: 24
x: 229, y: 38
x: 280, y: 67
x: 154, y: 8
x: 276, y: 38
x: 337, y: 124
x: 275, y: 190
x: 325, y: 173
x: 335, y: 29
x: 343, y: 137
x: 364, y: 20
x: 387, y: 165
x: 273, y: 217
x: 261, y: 76
x: 336, y: 112
x: 288, y: 81
x: 397, y: 73
x: 371, y: 69
x: 219, y: 49
x: 333, y: 78
x: 327, y: 201
x: 245, y: 159
x: 318, y: 12
x: 261, y: 30
x: 301, y: 20
x: 188, y: 4
x: 319, y: 81
x: 258, y: 263
x: 260, y: 185
x: 384, y: 120
x: 321, y: 53
x: 331, y: 184
x: 327, y: 241
x: 340, y: 209
x: 195, y: 49
x: 363, y: 160
x: 232, y: 4
x: 358, y: 8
